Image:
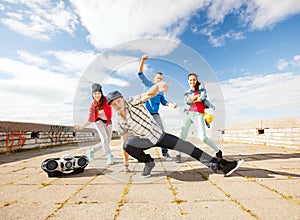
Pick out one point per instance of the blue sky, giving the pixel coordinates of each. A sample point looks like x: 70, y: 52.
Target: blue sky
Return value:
x: 252, y: 48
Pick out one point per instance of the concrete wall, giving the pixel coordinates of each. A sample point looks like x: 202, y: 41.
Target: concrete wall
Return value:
x: 16, y: 136
x: 275, y: 132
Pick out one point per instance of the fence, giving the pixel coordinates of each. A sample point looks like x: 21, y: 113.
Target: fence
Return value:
x: 17, y: 136
x: 276, y: 132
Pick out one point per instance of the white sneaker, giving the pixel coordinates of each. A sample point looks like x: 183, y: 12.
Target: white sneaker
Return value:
x: 167, y: 157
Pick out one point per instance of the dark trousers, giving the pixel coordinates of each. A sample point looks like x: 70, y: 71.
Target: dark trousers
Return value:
x: 135, y: 147
x: 157, y: 118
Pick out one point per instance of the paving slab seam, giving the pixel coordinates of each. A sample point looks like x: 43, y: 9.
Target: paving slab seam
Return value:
x: 122, y: 201
x: 12, y: 182
x: 123, y: 196
x: 288, y: 197
x: 241, y: 206
x: 176, y: 200
x: 43, y: 184
x: 19, y: 179
x: 14, y: 171
x: 67, y: 200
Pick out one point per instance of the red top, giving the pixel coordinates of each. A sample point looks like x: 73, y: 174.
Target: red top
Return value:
x: 94, y: 113
x: 197, y: 106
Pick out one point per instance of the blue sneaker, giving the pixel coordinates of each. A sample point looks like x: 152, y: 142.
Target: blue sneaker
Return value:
x: 90, y: 154
x: 110, y: 159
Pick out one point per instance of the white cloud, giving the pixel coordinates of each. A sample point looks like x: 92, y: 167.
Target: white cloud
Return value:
x: 266, y: 13
x: 39, y: 19
x: 283, y: 64
x: 256, y: 14
x: 150, y: 46
x: 221, y: 40
x: 272, y: 94
x: 73, y: 61
x: 296, y: 61
x: 219, y: 9
x: 32, y: 59
x: 259, y: 14
x: 113, y: 22
x: 2, y: 7
x: 34, y: 94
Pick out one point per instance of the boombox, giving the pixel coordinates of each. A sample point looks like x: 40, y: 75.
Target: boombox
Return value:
x: 66, y: 164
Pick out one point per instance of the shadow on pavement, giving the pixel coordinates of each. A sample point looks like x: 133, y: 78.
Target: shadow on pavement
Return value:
x: 263, y: 173
x: 264, y: 156
x: 27, y: 154
x: 86, y: 173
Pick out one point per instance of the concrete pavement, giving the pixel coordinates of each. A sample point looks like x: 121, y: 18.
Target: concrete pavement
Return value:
x: 267, y: 186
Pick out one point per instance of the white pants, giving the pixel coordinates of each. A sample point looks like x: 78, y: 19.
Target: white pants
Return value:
x: 105, y: 134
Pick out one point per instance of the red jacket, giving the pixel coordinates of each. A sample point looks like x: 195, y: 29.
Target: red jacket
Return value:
x: 94, y: 113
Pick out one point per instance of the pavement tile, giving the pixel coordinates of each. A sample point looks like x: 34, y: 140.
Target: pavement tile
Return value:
x: 27, y: 210
x: 266, y: 187
x: 147, y: 193
x: 202, y: 191
x: 99, y: 194
x: 150, y: 210
x: 93, y: 211
x: 51, y: 194
x: 7, y: 179
x: 245, y: 190
x: 271, y: 208
x: 15, y: 192
x: 207, y: 210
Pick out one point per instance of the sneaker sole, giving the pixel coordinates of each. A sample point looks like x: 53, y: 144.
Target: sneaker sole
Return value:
x: 168, y: 158
x: 146, y: 176
x: 239, y: 163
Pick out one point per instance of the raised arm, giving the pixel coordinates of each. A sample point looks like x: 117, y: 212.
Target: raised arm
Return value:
x: 154, y: 90
x: 141, y: 67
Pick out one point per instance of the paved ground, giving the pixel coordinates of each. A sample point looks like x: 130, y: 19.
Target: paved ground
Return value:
x: 267, y: 186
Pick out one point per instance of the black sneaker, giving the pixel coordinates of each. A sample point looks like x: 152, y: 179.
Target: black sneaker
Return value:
x: 228, y: 167
x: 219, y: 155
x: 147, y: 169
x: 178, y: 159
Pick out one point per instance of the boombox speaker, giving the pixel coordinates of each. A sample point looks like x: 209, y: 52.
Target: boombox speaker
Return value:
x: 66, y: 164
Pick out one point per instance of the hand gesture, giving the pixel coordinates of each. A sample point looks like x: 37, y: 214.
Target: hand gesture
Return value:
x: 144, y: 57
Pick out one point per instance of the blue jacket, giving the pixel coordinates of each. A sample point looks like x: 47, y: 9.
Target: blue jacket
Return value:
x: 152, y: 104
x: 203, y: 98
